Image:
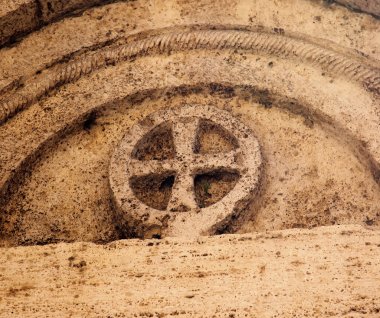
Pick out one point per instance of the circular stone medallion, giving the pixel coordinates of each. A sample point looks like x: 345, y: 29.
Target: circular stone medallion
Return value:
x: 184, y: 172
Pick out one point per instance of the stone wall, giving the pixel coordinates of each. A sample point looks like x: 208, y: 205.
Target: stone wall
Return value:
x: 369, y: 6
x: 18, y: 17
x: 301, y: 77
x: 23, y: 16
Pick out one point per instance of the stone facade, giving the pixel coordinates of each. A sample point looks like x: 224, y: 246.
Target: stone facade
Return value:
x: 189, y: 158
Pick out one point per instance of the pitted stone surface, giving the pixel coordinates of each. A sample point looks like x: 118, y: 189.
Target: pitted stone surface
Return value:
x: 324, y: 272
x: 301, y: 74
x: 183, y: 216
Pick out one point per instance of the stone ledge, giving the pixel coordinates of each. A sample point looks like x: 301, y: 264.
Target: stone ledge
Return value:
x: 284, y: 273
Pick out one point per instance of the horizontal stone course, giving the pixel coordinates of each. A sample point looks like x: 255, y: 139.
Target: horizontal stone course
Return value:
x: 292, y: 273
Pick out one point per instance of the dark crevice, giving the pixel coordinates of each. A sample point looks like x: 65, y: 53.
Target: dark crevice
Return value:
x: 39, y: 12
x: 90, y: 121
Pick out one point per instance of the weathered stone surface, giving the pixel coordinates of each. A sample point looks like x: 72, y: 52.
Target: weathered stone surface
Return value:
x: 183, y: 213
x: 53, y: 9
x: 326, y: 272
x: 17, y: 17
x: 290, y: 89
x: 80, y: 149
x: 369, y: 6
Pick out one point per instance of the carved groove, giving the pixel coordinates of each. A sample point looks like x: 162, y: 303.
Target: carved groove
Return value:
x: 254, y: 41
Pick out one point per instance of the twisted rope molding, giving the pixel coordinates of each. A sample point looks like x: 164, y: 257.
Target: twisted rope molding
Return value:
x: 255, y: 41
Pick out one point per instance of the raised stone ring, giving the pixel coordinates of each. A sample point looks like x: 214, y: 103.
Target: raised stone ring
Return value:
x: 184, y: 172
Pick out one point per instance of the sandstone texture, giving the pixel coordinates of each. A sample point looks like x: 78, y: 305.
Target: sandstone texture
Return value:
x: 226, y: 174
x: 325, y: 272
x: 370, y: 6
x: 16, y: 18
x: 189, y: 158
